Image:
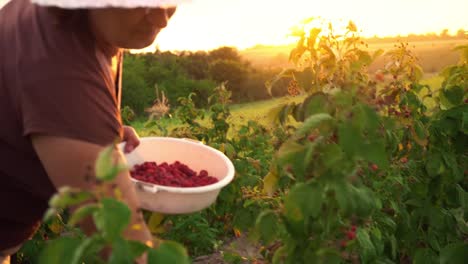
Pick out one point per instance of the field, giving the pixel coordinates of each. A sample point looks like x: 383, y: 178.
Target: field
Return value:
x: 433, y: 55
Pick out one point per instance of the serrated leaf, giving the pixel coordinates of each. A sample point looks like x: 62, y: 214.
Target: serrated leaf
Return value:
x: 267, y: 225
x: 316, y: 103
x: 82, y: 212
x: 349, y: 139
x: 49, y: 214
x: 342, y: 195
x: 424, y: 256
x: 420, y: 133
x: 89, y: 246
x: 105, y: 163
x: 465, y: 123
x: 58, y: 250
x: 229, y: 150
x: 168, y: 252
x: 273, y: 114
x: 456, y: 253
x: 155, y: 223
x: 453, y: 96
x: 368, y: 252
x: 112, y: 219
x: 68, y: 197
x: 280, y: 254
x: 120, y: 252
x: 375, y: 152
x: 270, y: 182
x: 312, y: 122
x: 331, y: 155
x: 377, y: 54
x: 304, y: 200
x: 286, y: 73
x: 365, y: 119
x: 289, y: 150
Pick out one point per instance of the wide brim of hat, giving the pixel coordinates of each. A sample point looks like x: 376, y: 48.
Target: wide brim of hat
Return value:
x: 78, y: 4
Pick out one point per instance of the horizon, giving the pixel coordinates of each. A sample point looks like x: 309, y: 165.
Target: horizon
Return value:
x: 202, y: 25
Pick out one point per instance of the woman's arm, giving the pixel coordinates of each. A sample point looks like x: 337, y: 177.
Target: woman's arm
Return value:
x: 68, y: 161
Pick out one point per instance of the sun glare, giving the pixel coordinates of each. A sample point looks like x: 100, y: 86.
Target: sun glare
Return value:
x: 207, y: 24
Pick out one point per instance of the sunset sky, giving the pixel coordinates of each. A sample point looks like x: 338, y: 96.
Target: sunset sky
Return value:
x: 208, y: 24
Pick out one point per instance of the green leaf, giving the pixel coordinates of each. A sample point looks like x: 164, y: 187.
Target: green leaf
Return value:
x: 424, y: 256
x: 312, y: 122
x: 88, y: 247
x: 315, y: 104
x: 332, y: 155
x: 112, y: 219
x: 393, y: 246
x: 434, y: 164
x: 280, y: 255
x: 304, y: 200
x: 58, y: 250
x: 105, y: 163
x: 368, y: 252
x: 365, y: 201
x: 420, y: 133
x: 120, y: 252
x: 267, y: 225
x: 270, y: 182
x: 168, y: 252
x: 292, y: 154
x: 349, y: 138
x: 450, y: 160
x: 452, y: 97
x: 375, y: 152
x: 229, y: 150
x: 342, y: 196
x: 82, y: 212
x: 107, y: 167
x: 136, y: 248
x: 68, y: 197
x: 456, y: 253
x: 377, y: 54
x: 465, y: 123
x: 365, y: 119
x: 49, y: 214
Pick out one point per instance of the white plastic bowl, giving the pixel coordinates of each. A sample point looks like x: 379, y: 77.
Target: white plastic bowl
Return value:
x: 196, y: 155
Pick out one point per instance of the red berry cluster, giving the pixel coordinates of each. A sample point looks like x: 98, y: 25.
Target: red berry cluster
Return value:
x: 350, y: 235
x: 176, y: 174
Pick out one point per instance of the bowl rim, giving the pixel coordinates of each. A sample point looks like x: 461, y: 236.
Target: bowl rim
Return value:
x: 201, y: 189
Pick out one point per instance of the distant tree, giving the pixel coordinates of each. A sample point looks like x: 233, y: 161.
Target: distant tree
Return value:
x: 225, y: 53
x: 444, y: 33
x: 234, y: 72
x: 461, y: 33
x: 196, y: 64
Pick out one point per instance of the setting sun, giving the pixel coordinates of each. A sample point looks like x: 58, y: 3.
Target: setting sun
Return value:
x: 207, y: 24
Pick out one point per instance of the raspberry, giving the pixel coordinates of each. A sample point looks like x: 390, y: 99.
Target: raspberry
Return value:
x: 351, y: 235
x: 176, y: 174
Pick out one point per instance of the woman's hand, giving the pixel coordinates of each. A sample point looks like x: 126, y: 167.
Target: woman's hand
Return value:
x: 131, y: 139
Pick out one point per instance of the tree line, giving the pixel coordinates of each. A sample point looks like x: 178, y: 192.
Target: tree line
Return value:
x: 197, y: 73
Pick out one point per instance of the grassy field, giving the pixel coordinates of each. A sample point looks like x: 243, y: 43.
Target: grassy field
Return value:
x: 256, y: 111
x: 433, y: 55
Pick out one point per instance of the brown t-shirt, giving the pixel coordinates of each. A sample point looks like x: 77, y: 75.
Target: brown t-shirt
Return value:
x: 53, y: 81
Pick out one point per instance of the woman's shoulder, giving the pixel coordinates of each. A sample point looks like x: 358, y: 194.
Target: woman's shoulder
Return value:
x: 41, y: 36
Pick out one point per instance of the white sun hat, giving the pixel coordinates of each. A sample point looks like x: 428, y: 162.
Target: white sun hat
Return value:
x: 75, y: 4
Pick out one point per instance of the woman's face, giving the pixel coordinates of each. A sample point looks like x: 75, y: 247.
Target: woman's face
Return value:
x: 129, y: 28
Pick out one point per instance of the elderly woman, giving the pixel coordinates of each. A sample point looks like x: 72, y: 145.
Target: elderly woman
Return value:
x: 60, y: 75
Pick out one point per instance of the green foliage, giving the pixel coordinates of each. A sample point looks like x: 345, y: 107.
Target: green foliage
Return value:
x: 362, y: 170
x: 111, y: 218
x: 371, y: 174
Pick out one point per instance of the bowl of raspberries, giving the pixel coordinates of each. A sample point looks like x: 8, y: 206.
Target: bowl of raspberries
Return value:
x: 176, y: 175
